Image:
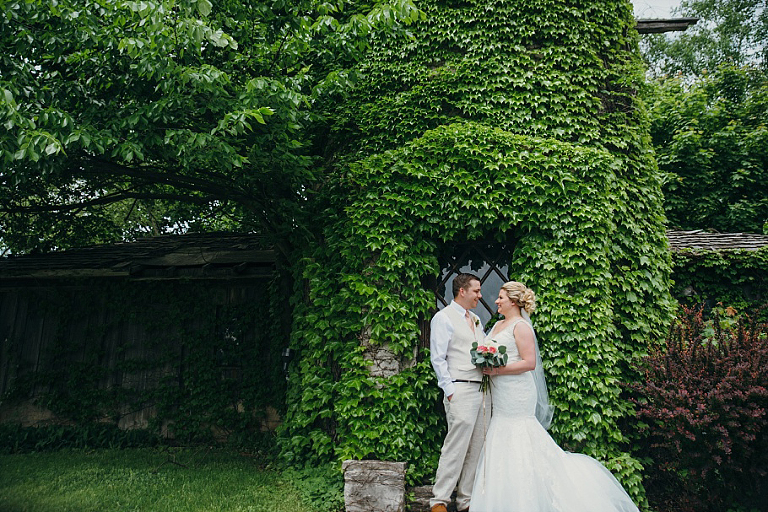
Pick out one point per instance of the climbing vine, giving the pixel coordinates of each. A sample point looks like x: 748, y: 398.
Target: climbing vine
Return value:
x: 733, y: 278
x: 205, y: 363
x: 495, y: 121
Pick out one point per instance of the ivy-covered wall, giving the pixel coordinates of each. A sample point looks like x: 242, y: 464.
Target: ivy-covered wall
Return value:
x: 192, y: 359
x: 509, y: 119
x: 735, y: 278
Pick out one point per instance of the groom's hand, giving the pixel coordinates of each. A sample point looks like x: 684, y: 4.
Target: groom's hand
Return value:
x: 449, y: 397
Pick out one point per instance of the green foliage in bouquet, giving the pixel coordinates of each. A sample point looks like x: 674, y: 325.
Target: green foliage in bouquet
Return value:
x: 490, y: 356
x: 502, y: 121
x: 482, y: 356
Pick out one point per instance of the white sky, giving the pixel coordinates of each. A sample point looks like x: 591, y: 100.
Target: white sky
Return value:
x: 649, y: 9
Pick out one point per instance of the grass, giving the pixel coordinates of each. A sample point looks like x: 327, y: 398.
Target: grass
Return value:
x: 148, y: 479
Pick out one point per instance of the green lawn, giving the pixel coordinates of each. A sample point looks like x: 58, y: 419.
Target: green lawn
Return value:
x: 151, y: 479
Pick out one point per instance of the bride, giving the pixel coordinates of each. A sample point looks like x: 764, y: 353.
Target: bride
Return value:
x: 521, y: 468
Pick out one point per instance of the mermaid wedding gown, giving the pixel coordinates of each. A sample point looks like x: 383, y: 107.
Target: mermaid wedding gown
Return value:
x: 522, y: 469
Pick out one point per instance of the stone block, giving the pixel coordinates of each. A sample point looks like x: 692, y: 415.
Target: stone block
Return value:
x: 374, y: 486
x: 418, y: 498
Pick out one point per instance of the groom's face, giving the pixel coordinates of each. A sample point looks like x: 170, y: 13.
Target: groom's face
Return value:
x: 472, y: 294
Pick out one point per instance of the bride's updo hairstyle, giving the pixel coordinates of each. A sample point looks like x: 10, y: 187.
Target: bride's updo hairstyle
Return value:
x: 521, y: 295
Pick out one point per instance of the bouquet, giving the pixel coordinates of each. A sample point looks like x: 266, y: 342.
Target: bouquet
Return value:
x: 490, y: 355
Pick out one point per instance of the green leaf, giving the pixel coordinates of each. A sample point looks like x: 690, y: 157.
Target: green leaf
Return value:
x: 204, y: 7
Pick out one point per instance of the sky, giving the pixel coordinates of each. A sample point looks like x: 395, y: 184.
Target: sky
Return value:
x: 649, y: 9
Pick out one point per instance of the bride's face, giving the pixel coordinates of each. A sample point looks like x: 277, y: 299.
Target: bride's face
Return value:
x: 503, y: 303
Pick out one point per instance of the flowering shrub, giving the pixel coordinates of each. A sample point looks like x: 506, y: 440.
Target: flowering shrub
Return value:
x: 702, y: 408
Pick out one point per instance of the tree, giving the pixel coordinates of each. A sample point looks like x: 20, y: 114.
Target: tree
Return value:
x: 729, y: 31
x: 711, y: 141
x: 160, y: 103
x: 708, y: 122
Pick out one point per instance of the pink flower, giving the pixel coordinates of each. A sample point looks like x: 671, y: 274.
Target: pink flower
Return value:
x: 492, y: 350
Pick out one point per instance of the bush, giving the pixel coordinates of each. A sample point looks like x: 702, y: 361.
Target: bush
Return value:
x: 261, y: 444
x: 322, y: 486
x: 738, y: 278
x: 17, y: 439
x: 702, y: 408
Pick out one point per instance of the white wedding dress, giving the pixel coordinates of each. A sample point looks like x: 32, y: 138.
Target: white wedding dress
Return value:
x: 522, y: 469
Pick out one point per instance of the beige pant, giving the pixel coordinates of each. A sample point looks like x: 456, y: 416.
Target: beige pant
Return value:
x: 462, y: 445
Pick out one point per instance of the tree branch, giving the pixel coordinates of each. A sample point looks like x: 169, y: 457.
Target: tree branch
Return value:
x: 111, y: 198
x: 160, y: 176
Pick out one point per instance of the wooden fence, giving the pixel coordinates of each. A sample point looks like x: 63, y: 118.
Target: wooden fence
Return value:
x: 131, y: 334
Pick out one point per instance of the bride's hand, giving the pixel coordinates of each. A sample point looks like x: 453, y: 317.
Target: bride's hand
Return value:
x: 490, y: 371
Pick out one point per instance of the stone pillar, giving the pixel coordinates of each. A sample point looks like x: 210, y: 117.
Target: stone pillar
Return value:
x: 382, y: 361
x: 374, y: 486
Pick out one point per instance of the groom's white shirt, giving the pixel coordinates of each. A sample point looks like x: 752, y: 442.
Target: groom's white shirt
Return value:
x: 441, y: 332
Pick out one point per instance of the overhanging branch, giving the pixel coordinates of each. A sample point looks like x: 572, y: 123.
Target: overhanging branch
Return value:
x: 111, y: 198
x: 149, y: 175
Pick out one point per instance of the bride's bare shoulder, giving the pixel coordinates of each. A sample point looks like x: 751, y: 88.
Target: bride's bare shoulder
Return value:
x: 521, y: 326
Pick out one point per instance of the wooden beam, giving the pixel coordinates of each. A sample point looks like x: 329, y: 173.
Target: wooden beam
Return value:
x: 668, y: 25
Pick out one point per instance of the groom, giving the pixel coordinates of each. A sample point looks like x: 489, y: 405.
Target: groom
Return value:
x: 453, y: 330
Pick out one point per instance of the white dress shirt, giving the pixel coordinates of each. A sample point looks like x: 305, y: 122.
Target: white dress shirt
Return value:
x: 441, y: 332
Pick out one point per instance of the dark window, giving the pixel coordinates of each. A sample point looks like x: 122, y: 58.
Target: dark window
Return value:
x: 487, y: 260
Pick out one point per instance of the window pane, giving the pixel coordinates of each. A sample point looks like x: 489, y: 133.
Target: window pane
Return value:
x: 489, y: 289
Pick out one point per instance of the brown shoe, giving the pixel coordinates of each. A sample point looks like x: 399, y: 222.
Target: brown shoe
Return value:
x: 439, y: 508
